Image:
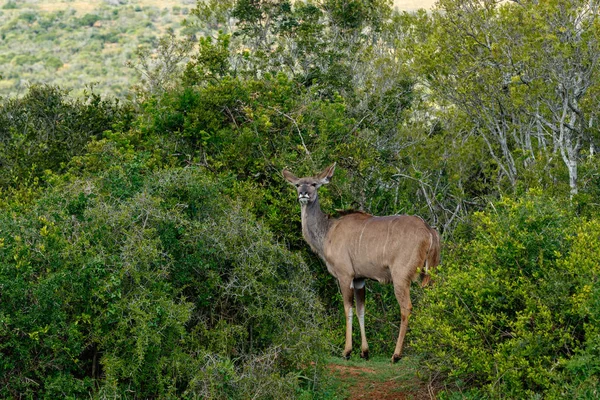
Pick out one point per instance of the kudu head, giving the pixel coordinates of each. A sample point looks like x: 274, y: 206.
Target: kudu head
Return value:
x: 307, y: 187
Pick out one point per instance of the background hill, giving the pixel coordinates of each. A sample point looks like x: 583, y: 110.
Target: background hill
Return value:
x: 74, y: 44
x: 78, y: 43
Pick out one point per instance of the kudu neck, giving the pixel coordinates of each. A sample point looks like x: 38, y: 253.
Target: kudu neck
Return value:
x: 315, y: 224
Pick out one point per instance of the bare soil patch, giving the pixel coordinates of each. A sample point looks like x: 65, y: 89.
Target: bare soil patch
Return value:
x: 380, y: 381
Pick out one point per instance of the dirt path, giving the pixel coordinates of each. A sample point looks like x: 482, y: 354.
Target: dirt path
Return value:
x: 378, y: 380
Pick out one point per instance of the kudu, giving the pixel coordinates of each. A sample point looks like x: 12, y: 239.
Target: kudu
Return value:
x: 357, y: 246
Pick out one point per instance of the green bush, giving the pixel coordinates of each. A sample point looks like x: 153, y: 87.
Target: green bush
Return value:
x: 10, y: 5
x: 582, y: 369
x: 45, y: 128
x: 88, y: 20
x: 24, y: 59
x: 151, y: 283
x: 53, y: 62
x: 512, y: 311
x: 28, y: 16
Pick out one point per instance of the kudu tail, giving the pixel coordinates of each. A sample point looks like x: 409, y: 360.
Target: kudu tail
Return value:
x: 433, y: 257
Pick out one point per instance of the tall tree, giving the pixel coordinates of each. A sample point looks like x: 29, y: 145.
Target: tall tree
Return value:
x: 523, y: 72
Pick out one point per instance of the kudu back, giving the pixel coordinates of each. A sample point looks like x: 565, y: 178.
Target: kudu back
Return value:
x: 357, y: 246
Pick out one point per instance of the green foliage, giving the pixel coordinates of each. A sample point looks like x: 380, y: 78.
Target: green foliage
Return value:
x: 530, y: 75
x: 10, y: 5
x: 28, y: 17
x: 88, y: 20
x: 504, y: 319
x: 354, y: 15
x: 54, y: 62
x: 24, y: 59
x: 46, y: 128
x: 154, y: 283
x: 39, y: 35
x: 152, y: 250
x: 581, y: 369
x: 212, y: 60
x: 160, y: 69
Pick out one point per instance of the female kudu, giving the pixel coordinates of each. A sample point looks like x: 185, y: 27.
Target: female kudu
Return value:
x: 359, y: 246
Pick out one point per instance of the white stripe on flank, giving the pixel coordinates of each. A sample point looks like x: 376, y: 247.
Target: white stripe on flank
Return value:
x: 427, y: 257
x: 387, y: 238
x: 361, y: 233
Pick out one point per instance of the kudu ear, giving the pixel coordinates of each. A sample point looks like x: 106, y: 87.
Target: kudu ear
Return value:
x: 325, y: 176
x: 291, y: 178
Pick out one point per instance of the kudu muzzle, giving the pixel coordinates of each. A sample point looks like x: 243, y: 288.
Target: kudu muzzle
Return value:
x: 303, y: 197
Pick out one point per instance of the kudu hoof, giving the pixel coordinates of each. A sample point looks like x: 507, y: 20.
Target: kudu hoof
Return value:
x: 364, y: 354
x: 346, y: 356
x: 396, y: 358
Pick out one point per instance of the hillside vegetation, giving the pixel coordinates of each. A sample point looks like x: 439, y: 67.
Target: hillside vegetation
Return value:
x: 75, y: 44
x: 78, y: 44
x: 150, y: 248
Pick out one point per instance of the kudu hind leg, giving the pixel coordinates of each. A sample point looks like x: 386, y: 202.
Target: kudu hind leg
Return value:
x: 402, y: 291
x: 359, y: 294
x: 348, y: 298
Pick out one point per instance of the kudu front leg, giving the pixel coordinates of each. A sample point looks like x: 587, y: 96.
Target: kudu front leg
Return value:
x: 348, y: 297
x: 359, y: 294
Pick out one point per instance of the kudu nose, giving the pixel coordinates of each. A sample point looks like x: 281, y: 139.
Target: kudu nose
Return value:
x: 303, y: 195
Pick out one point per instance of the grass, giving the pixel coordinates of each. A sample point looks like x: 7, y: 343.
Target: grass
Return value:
x: 376, y: 378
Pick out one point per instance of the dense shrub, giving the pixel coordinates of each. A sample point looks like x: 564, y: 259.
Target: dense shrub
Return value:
x: 151, y: 283
x: 45, y: 128
x: 53, y: 62
x: 513, y: 312
x: 10, y: 5
x: 88, y: 20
